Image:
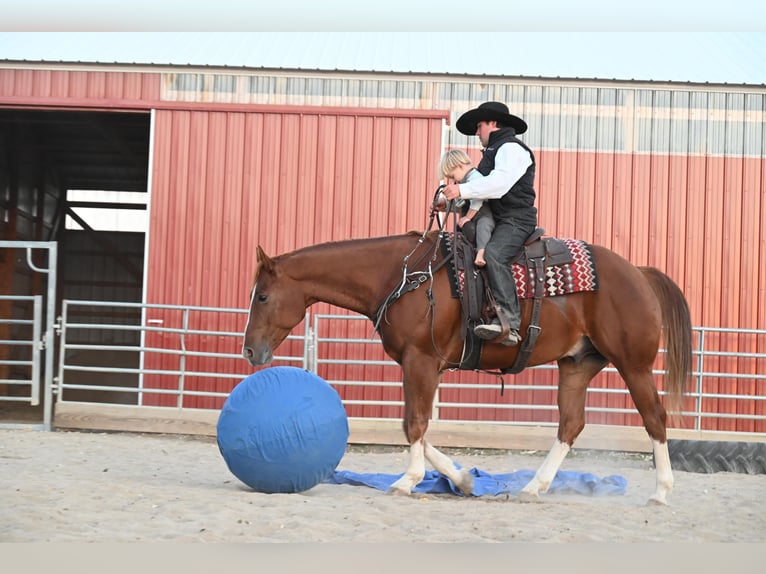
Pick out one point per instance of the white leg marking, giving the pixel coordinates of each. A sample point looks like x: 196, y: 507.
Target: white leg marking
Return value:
x: 664, y: 473
x: 247, y: 326
x: 547, y: 471
x: 414, y: 474
x: 460, y: 477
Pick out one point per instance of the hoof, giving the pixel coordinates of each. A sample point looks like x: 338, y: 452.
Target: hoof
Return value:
x: 395, y: 491
x: 466, y: 483
x: 656, y: 501
x: 528, y: 496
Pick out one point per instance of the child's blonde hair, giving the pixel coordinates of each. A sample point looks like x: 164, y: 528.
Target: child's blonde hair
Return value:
x: 452, y: 159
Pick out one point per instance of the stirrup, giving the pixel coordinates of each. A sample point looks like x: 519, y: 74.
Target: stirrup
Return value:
x: 513, y: 338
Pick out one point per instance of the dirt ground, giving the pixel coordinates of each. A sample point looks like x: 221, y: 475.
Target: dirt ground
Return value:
x: 119, y: 487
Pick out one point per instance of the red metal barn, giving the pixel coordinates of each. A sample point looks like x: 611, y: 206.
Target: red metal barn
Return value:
x: 281, y: 177
x: 670, y: 175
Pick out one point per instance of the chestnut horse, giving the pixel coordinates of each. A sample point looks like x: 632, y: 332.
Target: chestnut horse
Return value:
x: 621, y: 323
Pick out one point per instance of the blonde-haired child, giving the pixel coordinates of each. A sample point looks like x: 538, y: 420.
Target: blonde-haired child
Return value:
x: 455, y: 164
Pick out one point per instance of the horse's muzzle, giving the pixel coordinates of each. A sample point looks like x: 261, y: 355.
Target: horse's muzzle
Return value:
x: 257, y: 357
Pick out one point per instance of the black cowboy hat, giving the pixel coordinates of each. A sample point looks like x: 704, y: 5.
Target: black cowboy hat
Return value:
x: 489, y: 111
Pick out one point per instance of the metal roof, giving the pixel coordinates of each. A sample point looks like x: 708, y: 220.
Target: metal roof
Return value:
x: 665, y: 57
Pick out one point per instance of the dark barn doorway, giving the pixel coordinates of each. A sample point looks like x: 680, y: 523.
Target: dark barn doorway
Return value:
x: 79, y: 178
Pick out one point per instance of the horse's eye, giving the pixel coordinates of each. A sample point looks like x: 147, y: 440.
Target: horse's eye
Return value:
x: 262, y: 297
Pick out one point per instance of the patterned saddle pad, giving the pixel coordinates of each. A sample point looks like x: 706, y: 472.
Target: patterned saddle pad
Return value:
x: 561, y: 279
x: 565, y: 273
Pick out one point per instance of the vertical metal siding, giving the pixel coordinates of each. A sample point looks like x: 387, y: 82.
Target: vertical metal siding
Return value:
x: 662, y: 176
x: 225, y: 182
x: 80, y: 87
x: 667, y: 175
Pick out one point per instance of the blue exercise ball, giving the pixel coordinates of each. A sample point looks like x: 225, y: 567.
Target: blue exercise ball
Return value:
x: 282, y: 429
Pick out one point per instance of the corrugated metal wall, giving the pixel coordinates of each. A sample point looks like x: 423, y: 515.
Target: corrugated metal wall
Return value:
x: 86, y: 86
x: 227, y: 182
x: 666, y: 175
x: 671, y: 175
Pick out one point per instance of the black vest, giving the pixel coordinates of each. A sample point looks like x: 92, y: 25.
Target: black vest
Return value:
x: 519, y: 201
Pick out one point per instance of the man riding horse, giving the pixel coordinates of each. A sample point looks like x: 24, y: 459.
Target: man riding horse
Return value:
x: 509, y: 169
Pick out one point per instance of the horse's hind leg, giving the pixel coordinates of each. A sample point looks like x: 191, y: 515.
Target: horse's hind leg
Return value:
x: 647, y: 400
x: 574, y: 376
x: 664, y: 472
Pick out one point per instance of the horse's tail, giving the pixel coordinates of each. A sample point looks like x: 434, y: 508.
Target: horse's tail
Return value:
x: 678, y: 335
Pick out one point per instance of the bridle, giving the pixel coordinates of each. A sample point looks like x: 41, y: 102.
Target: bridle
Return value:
x: 411, y: 280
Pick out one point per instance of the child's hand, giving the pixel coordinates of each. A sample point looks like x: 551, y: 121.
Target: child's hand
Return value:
x: 452, y: 191
x: 462, y: 221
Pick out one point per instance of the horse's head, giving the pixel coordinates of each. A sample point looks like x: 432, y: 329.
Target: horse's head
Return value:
x: 276, y: 306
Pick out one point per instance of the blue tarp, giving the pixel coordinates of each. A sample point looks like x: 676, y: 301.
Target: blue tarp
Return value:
x: 566, y: 481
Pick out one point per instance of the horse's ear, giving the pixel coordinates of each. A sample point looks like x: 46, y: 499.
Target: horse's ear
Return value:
x: 264, y: 262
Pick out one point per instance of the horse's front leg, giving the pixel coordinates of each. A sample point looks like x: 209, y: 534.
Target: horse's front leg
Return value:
x: 461, y: 477
x: 415, y: 471
x: 421, y: 379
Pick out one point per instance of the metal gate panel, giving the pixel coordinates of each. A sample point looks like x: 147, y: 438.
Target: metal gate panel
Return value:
x: 41, y: 340
x: 21, y: 352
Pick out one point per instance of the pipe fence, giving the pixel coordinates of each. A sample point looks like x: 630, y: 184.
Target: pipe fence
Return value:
x: 190, y: 358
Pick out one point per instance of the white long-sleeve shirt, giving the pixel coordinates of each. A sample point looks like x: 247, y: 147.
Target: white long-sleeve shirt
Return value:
x: 511, y: 162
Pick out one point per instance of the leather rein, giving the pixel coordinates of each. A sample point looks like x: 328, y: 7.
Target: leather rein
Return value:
x: 411, y: 280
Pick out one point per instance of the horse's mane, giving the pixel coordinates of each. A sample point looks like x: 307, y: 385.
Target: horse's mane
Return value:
x: 365, y: 242
x: 362, y: 242
x: 431, y: 235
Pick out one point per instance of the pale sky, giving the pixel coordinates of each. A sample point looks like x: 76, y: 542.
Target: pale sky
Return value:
x: 658, y: 40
